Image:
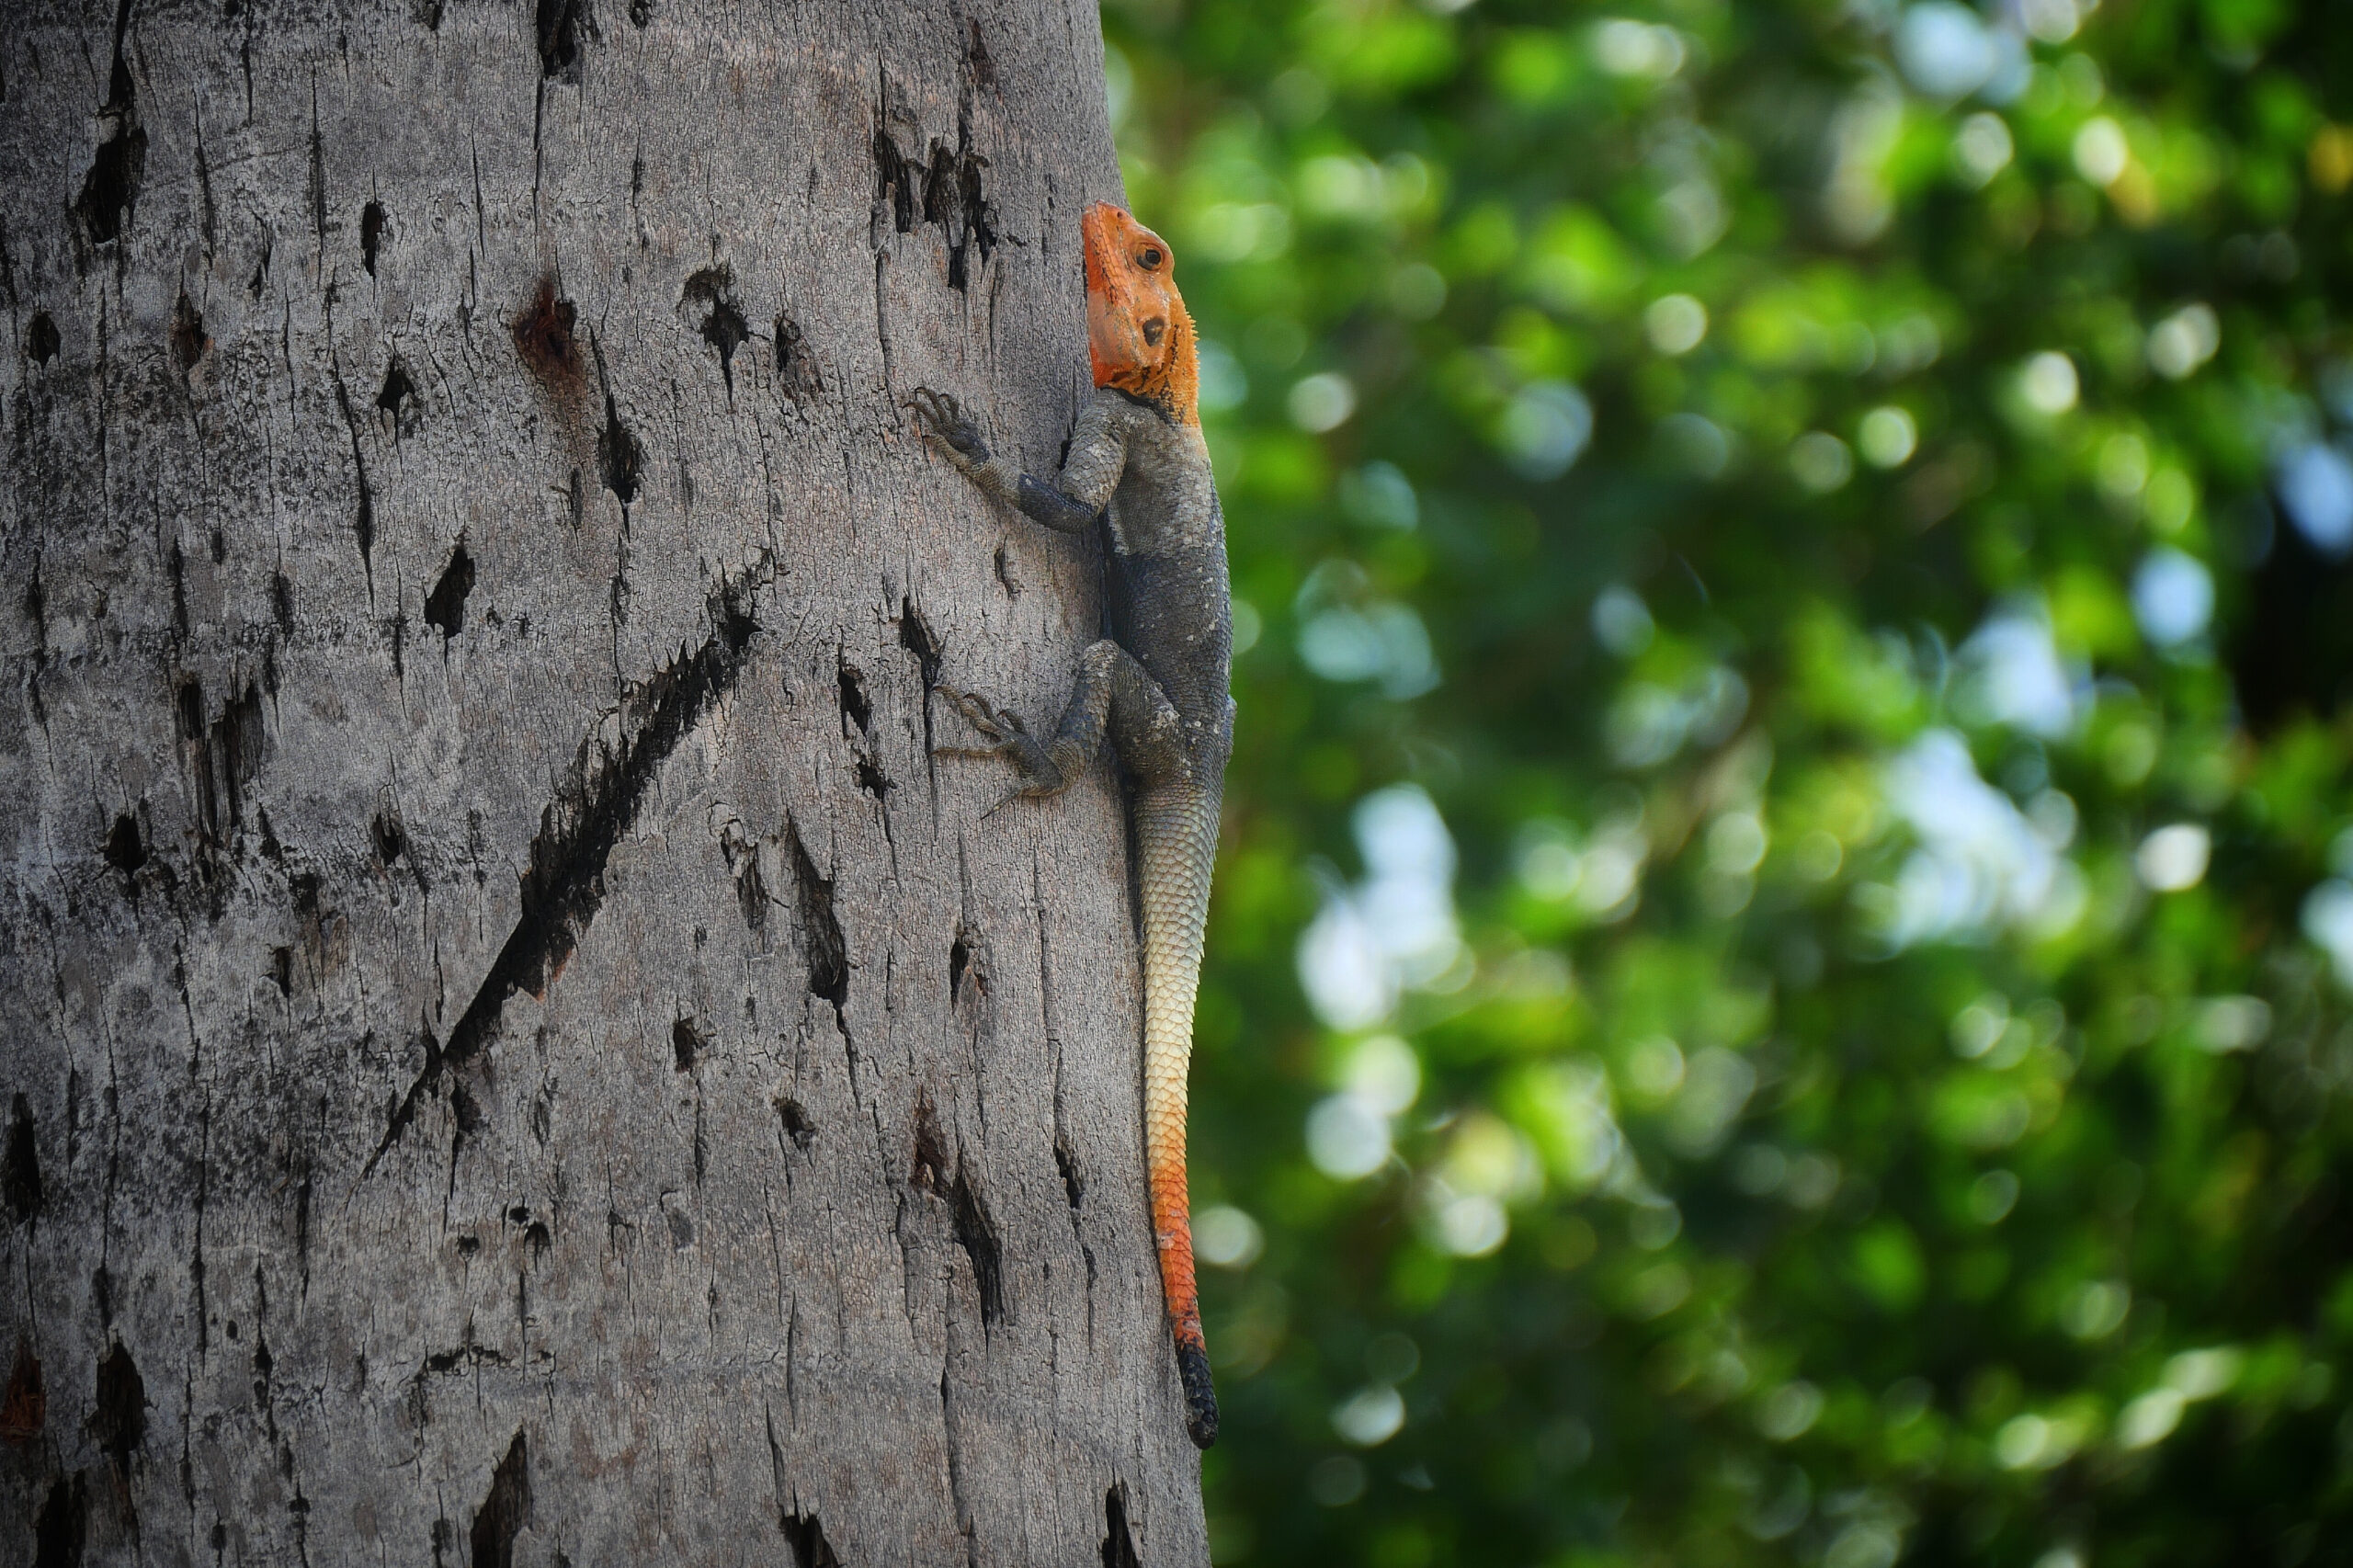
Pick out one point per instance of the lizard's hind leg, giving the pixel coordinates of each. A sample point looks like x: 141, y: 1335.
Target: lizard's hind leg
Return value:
x: 1114, y: 697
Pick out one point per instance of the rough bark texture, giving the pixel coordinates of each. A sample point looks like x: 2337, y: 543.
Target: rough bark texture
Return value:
x: 515, y: 1052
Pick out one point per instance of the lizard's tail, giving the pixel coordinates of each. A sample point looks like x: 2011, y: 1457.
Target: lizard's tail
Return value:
x: 1176, y: 836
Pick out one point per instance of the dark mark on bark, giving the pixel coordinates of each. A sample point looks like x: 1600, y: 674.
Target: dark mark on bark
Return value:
x: 119, y: 1425
x: 318, y: 187
x: 723, y: 326
x: 126, y: 848
x: 686, y: 1043
x: 543, y: 336
x: 798, y: 1124
x: 620, y: 458
x: 742, y: 854
x: 469, y: 1357
x: 563, y: 884
x: 1074, y: 1174
x: 389, y: 837
x: 857, y: 712
x: 60, y: 1526
x: 894, y: 178
x: 821, y: 929
x: 954, y: 199
x: 977, y: 58
x: 504, y: 1511
x: 222, y: 758
x: 916, y: 636
x: 363, y: 524
x: 968, y: 1210
x: 1118, y: 1540
x: 796, y: 364
x: 976, y: 1233
x: 25, y: 1410
x: 963, y: 969
x: 20, y: 1170
x: 445, y: 606
x: 944, y: 189
x: 372, y: 229
x: 186, y: 335
x: 559, y: 25
x: 465, y: 1120
x: 111, y: 191
x: 240, y: 744
x: 807, y: 1538
x: 204, y: 183
x: 260, y: 280
x: 929, y: 1171
x: 41, y: 340
x: 398, y: 397
x: 858, y: 726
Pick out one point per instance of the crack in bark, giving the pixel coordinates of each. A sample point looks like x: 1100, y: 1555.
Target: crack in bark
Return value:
x: 1119, y: 1539
x: 563, y: 885
x: 504, y: 1511
x: 969, y: 1221
x: 802, y: 1532
x: 821, y: 929
x: 964, y: 1525
x: 109, y: 195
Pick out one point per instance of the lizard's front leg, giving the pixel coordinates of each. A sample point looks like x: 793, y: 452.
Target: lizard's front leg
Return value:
x: 952, y: 428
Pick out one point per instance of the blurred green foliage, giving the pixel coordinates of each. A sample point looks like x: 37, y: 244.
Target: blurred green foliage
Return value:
x: 1779, y: 989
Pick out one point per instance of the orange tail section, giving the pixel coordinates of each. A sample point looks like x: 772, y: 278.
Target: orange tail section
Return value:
x: 1172, y: 1224
x: 1177, y: 831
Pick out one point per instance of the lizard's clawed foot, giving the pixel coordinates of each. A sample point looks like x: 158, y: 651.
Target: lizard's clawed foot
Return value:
x: 998, y: 726
x: 1007, y: 738
x: 945, y: 421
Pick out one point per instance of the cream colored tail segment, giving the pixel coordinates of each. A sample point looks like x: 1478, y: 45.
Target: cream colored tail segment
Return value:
x: 1176, y: 836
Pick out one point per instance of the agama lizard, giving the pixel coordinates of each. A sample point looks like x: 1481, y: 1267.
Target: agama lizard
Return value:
x: 1157, y: 685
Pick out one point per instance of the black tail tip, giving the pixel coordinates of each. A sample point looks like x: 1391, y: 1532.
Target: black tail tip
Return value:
x: 1200, y: 1397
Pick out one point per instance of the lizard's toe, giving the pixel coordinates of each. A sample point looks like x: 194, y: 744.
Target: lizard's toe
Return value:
x: 997, y: 724
x: 943, y: 419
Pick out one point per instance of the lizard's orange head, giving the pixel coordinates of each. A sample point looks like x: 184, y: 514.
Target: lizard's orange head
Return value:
x: 1137, y: 332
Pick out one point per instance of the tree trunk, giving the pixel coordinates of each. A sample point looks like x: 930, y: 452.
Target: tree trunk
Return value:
x: 517, y: 1052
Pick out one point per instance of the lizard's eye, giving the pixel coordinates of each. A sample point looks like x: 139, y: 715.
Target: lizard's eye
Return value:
x: 1150, y: 257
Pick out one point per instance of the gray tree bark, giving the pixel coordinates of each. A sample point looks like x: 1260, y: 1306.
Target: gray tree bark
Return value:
x: 515, y: 1050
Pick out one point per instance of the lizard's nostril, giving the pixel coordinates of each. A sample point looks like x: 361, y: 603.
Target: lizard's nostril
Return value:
x: 1153, y: 330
